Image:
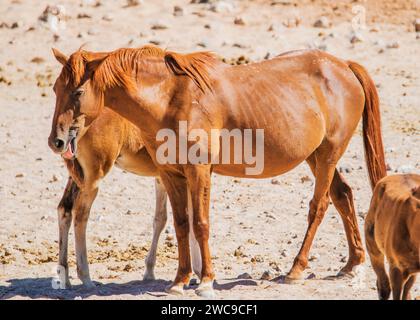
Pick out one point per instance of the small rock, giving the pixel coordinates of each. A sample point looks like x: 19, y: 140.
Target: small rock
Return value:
x: 239, y: 21
x: 92, y: 32
x: 285, y: 253
x: 322, y: 22
x: 19, y: 175
x: 222, y: 7
x: 343, y: 259
x: 393, y: 45
x: 169, y: 237
x: 107, y: 17
x: 267, y: 275
x: 178, y: 11
x: 133, y: 3
x: 417, y: 25
x: 311, y: 276
x: 159, y: 26
x: 239, y: 252
x: 305, y: 179
x: 84, y: 16
x: 38, y: 60
x: 345, y: 169
x: 356, y: 38
x: 275, y: 181
x: 257, y: 259
x: 314, y: 257
x: 244, y: 275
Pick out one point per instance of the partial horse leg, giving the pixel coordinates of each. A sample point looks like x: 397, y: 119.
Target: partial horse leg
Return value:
x: 158, y: 225
x: 342, y: 197
x: 199, y: 181
x: 81, y: 211
x: 407, y: 287
x: 176, y: 187
x: 64, y: 221
x: 194, y: 245
x: 324, y: 172
x: 397, y: 281
x: 376, y: 258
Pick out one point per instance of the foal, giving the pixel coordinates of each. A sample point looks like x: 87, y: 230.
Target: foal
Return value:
x: 109, y: 140
x: 392, y: 230
x: 308, y: 103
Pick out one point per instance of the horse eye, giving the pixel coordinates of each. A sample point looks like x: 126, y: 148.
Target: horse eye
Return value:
x: 78, y: 93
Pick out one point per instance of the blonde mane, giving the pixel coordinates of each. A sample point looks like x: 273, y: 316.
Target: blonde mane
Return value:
x: 120, y: 66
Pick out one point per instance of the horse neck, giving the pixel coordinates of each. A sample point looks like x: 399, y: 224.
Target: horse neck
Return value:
x: 144, y: 105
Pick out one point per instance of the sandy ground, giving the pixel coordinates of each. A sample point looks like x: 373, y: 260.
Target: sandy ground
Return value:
x: 266, y: 218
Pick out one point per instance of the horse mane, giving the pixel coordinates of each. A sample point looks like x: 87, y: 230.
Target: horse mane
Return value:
x: 118, y: 68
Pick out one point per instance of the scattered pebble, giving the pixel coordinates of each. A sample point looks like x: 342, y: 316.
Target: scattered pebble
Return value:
x: 239, y: 21
x: 417, y: 25
x: 393, y: 45
x: 244, y: 275
x: 178, y: 11
x: 275, y: 181
x: 267, y: 275
x: 322, y: 22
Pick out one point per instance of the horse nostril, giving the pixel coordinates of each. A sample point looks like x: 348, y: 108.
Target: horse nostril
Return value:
x: 59, y: 144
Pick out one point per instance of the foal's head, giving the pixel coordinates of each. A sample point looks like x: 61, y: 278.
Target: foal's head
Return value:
x: 78, y: 103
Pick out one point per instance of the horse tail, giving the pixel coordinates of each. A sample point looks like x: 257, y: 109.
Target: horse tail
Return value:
x: 372, y: 137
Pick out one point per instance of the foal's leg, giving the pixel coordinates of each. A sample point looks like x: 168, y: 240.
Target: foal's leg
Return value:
x: 199, y: 180
x: 176, y: 187
x: 377, y: 258
x: 324, y: 173
x: 64, y: 221
x: 407, y: 287
x: 342, y: 197
x: 81, y: 211
x: 158, y: 225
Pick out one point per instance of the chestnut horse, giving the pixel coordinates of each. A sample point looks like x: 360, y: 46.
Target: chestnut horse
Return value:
x: 392, y: 230
x: 307, y: 102
x: 109, y: 140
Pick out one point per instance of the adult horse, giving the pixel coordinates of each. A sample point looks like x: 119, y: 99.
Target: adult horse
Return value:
x: 307, y: 102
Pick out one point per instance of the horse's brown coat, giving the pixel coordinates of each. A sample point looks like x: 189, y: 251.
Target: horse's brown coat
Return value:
x: 392, y: 230
x: 308, y: 103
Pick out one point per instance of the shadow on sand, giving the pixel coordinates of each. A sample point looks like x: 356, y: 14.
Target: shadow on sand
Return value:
x: 41, y: 288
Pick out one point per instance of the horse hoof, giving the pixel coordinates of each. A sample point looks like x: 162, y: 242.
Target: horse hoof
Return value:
x: 205, y: 290
x: 149, y: 276
x: 175, y: 289
x: 206, y: 293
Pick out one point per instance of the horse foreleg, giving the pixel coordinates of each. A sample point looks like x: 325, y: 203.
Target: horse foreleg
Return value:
x: 158, y: 225
x: 176, y: 187
x: 324, y: 173
x: 64, y: 221
x: 81, y: 211
x: 199, y: 180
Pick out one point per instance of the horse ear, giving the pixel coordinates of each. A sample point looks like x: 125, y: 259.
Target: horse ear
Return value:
x: 92, y: 65
x: 61, y: 57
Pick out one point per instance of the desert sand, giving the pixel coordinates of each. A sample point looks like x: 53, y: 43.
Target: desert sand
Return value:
x: 257, y: 225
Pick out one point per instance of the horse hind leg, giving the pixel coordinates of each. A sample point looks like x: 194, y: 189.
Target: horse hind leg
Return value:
x: 407, y: 287
x: 377, y: 260
x: 158, y: 226
x: 324, y: 172
x: 64, y: 211
x: 342, y: 197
